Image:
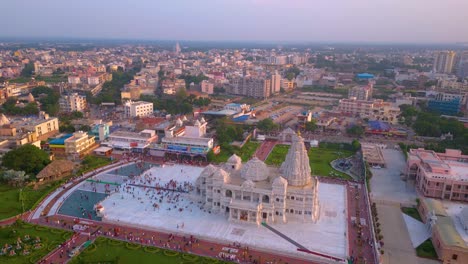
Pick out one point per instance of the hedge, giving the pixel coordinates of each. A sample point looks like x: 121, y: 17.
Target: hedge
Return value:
x: 170, y: 253
x: 151, y: 249
x: 190, y: 258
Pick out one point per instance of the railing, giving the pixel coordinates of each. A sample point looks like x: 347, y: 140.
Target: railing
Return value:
x: 371, y: 220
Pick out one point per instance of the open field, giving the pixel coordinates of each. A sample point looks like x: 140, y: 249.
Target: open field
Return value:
x: 31, y: 250
x: 105, y: 250
x: 245, y: 152
x: 13, y: 198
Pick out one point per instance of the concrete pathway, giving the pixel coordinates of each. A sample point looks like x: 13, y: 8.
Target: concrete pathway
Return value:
x: 417, y: 230
x: 397, y: 247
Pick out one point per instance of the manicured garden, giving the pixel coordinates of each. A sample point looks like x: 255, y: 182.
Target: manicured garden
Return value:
x: 277, y: 155
x: 426, y: 250
x: 105, y: 250
x: 26, y: 243
x: 90, y: 163
x: 320, y: 159
x: 413, y: 212
x: 246, y: 152
x: 13, y: 198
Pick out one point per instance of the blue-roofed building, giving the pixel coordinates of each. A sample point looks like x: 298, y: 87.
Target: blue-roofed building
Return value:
x: 365, y: 76
x: 57, y: 145
x: 445, y: 107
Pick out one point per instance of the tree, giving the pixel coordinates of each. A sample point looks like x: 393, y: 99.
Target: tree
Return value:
x: 311, y: 126
x: 356, y: 145
x: 27, y: 70
x: 356, y: 131
x: 27, y: 158
x: 15, y: 178
x: 267, y: 125
x: 219, y: 90
x: 49, y: 99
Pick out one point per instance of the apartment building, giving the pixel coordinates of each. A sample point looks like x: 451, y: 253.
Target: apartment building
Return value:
x: 79, y: 145
x: 73, y: 102
x: 250, y: 86
x: 373, y: 110
x: 439, y: 175
x: 138, y: 109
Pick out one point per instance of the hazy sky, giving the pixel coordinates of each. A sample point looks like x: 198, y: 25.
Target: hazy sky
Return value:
x: 240, y: 20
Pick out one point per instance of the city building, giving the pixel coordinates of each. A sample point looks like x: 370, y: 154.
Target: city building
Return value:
x: 445, y: 107
x: 448, y: 232
x: 188, y: 138
x: 250, y: 86
x: 138, y: 109
x: 100, y: 131
x: 444, y: 61
x: 44, y: 126
x: 131, y: 141
x: 255, y: 193
x: 439, y: 175
x: 361, y: 92
x: 72, y: 102
x: 373, y: 110
x: 207, y: 87
x: 275, y: 83
x: 79, y: 145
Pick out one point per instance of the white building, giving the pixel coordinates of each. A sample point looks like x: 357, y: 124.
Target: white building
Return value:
x: 255, y: 193
x: 74, y: 79
x: 138, y: 109
x: 127, y: 140
x: 79, y: 144
x: 73, y: 102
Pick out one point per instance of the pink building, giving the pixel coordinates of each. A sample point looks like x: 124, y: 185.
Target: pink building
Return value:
x: 439, y: 175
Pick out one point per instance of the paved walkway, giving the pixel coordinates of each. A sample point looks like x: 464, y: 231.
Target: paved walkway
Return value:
x: 166, y: 240
x: 397, y: 247
x: 265, y: 148
x: 361, y: 243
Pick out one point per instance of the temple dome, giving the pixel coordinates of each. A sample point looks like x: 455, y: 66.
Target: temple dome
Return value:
x: 280, y: 181
x: 222, y: 175
x: 255, y: 170
x: 208, y: 171
x: 234, y: 159
x: 248, y: 184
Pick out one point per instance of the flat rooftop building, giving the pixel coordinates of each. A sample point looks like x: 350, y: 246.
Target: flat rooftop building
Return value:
x: 439, y: 175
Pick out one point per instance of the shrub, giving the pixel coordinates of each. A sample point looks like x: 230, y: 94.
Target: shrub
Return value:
x: 151, y: 249
x: 92, y: 248
x: 132, y: 246
x: 190, y: 258
x: 170, y: 253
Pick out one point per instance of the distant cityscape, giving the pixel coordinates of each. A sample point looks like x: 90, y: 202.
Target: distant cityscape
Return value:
x: 241, y: 152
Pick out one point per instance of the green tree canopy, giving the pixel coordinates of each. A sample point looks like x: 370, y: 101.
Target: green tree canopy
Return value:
x: 355, y: 131
x: 27, y: 158
x: 311, y: 126
x: 267, y: 125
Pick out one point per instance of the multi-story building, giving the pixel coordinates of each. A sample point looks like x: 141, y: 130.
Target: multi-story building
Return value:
x: 250, y: 86
x: 444, y: 61
x: 207, y: 87
x: 255, y: 193
x: 361, y: 92
x: 439, y: 175
x: 73, y: 102
x: 138, y: 109
x: 44, y: 126
x: 373, y: 110
x: 275, y: 83
x: 79, y: 145
x: 135, y: 141
x: 185, y: 139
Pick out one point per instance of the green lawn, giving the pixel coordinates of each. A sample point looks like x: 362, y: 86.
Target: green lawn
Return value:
x: 319, y: 158
x: 246, y: 152
x: 105, y: 250
x: 49, y: 239
x: 413, y: 212
x: 277, y: 155
x: 90, y: 163
x: 426, y: 250
x: 11, y: 204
